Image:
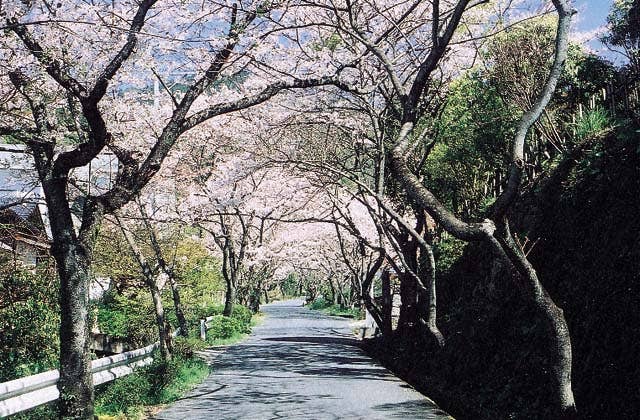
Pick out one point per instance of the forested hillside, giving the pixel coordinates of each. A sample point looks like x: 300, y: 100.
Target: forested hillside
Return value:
x: 581, y: 226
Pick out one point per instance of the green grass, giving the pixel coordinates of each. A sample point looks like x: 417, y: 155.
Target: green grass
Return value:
x: 160, y: 383
x: 190, y: 373
x: 139, y: 394
x: 235, y: 338
x: 257, y: 319
x: 136, y: 395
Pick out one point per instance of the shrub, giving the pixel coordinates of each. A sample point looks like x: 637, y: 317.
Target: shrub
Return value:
x: 159, y: 383
x: 224, y: 327
x: 126, y: 392
x: 592, y: 122
x: 128, y: 317
x: 329, y: 308
x: 47, y: 411
x: 29, y: 322
x: 186, y: 347
x: 203, y: 311
x: 162, y: 373
x: 319, y: 303
x: 289, y: 286
x: 243, y: 315
x: 447, y: 252
x: 180, y: 376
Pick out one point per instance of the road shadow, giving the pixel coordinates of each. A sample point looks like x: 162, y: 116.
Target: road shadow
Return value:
x: 299, y: 364
x: 412, y: 409
x: 318, y: 340
x: 323, y: 357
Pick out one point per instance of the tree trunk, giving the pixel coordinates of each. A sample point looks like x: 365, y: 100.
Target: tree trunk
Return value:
x: 506, y: 249
x: 163, y: 330
x: 366, y: 290
x: 72, y: 254
x: 151, y: 281
x: 341, y: 299
x: 334, y: 293
x: 551, y: 314
x: 370, y: 306
x: 164, y: 335
x: 229, y: 297
x: 387, y: 304
x: 408, y: 297
x: 254, y: 297
x: 76, y: 380
x: 177, y: 304
x: 428, y: 264
x: 157, y: 249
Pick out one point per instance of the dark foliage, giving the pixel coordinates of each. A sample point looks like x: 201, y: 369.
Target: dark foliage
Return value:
x: 587, y: 254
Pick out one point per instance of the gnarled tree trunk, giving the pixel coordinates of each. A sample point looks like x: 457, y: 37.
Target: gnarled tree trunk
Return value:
x: 387, y: 304
x: 428, y: 268
x: 503, y: 246
x: 173, y: 283
x: 177, y: 304
x: 550, y: 313
x: 161, y: 323
x: 229, y: 297
x: 72, y: 253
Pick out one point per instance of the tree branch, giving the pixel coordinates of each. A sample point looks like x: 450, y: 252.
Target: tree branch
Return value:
x: 53, y: 67
x: 565, y: 12
x: 100, y: 87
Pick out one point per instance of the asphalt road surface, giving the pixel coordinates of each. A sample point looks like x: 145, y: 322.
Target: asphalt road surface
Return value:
x: 300, y: 364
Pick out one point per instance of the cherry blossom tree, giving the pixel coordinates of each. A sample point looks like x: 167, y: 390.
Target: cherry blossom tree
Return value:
x: 154, y: 283
x: 139, y: 224
x: 412, y: 55
x: 239, y: 201
x: 75, y: 76
x: 404, y: 54
x: 76, y: 79
x: 335, y: 150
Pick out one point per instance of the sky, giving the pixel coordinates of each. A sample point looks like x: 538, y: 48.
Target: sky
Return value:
x: 592, y: 14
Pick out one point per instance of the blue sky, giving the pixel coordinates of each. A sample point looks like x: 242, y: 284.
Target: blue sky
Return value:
x: 591, y: 13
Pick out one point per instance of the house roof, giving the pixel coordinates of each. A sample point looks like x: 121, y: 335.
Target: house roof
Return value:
x: 20, y: 189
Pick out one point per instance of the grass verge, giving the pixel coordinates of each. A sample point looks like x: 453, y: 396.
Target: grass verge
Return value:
x: 141, y: 393
x: 131, y: 397
x: 237, y: 336
x: 328, y: 308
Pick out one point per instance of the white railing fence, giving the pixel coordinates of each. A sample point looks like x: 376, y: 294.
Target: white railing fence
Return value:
x: 204, y: 327
x: 25, y: 393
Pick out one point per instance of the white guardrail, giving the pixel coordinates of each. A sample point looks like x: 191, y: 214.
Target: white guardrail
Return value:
x: 31, y: 391
x: 204, y: 327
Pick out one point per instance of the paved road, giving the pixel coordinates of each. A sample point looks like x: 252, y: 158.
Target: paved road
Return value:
x: 300, y: 364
